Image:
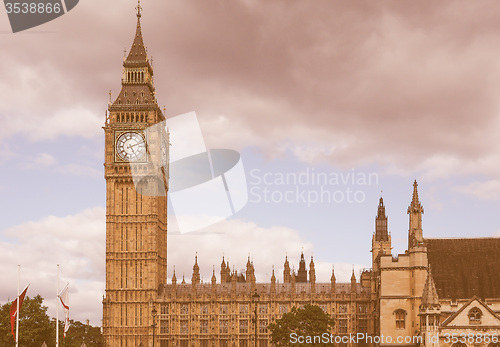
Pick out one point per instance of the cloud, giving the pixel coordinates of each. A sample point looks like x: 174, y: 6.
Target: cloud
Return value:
x: 45, y: 159
x: 487, y: 190
x: 384, y: 83
x: 237, y: 240
x: 77, y: 243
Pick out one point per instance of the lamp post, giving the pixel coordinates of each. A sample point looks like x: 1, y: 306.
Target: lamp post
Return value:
x: 153, y: 313
x: 255, y: 299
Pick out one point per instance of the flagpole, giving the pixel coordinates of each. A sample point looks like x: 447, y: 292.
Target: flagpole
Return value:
x: 57, y: 309
x: 17, y: 314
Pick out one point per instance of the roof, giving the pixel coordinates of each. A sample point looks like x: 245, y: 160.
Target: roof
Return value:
x: 138, y: 50
x: 469, y: 304
x: 244, y: 288
x: 465, y: 267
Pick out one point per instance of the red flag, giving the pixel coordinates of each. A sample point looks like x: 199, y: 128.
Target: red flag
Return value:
x: 13, y: 310
x: 63, y: 296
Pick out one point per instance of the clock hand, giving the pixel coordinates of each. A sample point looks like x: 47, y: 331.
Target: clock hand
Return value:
x: 139, y: 143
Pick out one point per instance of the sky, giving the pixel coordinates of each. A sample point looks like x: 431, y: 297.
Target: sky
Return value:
x: 373, y: 94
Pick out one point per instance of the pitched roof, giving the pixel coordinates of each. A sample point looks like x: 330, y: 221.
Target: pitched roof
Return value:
x: 469, y: 303
x: 138, y: 50
x: 465, y: 267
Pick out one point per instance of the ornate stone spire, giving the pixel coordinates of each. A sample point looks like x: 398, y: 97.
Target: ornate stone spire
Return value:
x: 138, y: 50
x: 214, y: 279
x: 312, y: 271
x: 430, y: 298
x: 174, y: 278
x: 381, y: 223
x: 415, y: 210
x: 353, y: 281
x: 196, y: 271
x: 137, y: 78
x: 415, y: 202
x: 286, y: 271
x: 302, y: 272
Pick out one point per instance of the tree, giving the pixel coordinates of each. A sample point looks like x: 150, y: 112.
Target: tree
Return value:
x: 295, y: 327
x: 36, y: 327
x: 34, y: 324
x: 79, y: 333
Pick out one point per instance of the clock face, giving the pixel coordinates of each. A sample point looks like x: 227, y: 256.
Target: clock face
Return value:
x: 131, y: 147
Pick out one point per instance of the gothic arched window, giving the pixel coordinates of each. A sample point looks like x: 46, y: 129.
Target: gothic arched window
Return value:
x: 400, y: 318
x: 475, y: 315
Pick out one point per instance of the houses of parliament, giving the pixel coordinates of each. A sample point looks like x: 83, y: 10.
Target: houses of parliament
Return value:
x: 439, y: 292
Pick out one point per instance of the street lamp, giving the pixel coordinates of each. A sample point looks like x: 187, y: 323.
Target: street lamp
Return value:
x: 153, y: 313
x: 255, y: 299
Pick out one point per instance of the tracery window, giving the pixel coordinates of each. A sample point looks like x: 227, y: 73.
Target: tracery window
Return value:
x: 475, y: 315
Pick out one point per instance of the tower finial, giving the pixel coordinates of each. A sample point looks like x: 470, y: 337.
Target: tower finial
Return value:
x: 138, y: 8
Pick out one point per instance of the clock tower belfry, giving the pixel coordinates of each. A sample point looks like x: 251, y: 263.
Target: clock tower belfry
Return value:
x: 136, y: 215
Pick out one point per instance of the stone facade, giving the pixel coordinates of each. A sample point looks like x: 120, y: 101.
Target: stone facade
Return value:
x: 223, y: 314
x: 399, y: 297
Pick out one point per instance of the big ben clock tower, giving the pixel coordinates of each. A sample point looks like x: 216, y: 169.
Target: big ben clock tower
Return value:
x: 136, y: 175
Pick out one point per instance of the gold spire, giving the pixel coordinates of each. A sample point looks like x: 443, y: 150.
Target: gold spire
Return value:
x: 138, y: 8
x: 138, y: 50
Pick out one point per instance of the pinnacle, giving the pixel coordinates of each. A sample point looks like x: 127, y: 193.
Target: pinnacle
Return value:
x: 429, y: 294
x: 138, y: 50
x: 415, y: 202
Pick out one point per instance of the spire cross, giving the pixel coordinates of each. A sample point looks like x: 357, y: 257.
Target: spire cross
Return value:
x: 138, y: 8
x: 110, y: 95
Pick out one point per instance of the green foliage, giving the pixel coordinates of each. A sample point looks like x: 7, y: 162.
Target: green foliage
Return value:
x: 309, y: 320
x: 78, y: 333
x: 34, y: 324
x: 36, y: 327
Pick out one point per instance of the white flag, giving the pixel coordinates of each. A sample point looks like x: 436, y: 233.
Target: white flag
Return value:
x: 63, y: 296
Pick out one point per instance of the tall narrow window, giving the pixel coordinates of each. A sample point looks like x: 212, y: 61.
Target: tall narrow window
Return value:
x: 400, y: 319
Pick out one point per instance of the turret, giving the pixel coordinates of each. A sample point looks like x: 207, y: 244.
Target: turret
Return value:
x: 312, y: 276
x: 430, y: 311
x: 381, y: 241
x: 333, y: 280
x: 302, y: 273
x: 286, y: 271
x: 214, y: 281
x: 196, y: 272
x: 250, y: 273
x: 415, y: 210
x: 353, y: 282
x: 224, y: 271
x: 381, y: 233
x: 312, y: 272
x: 174, y: 284
x: 273, y: 282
